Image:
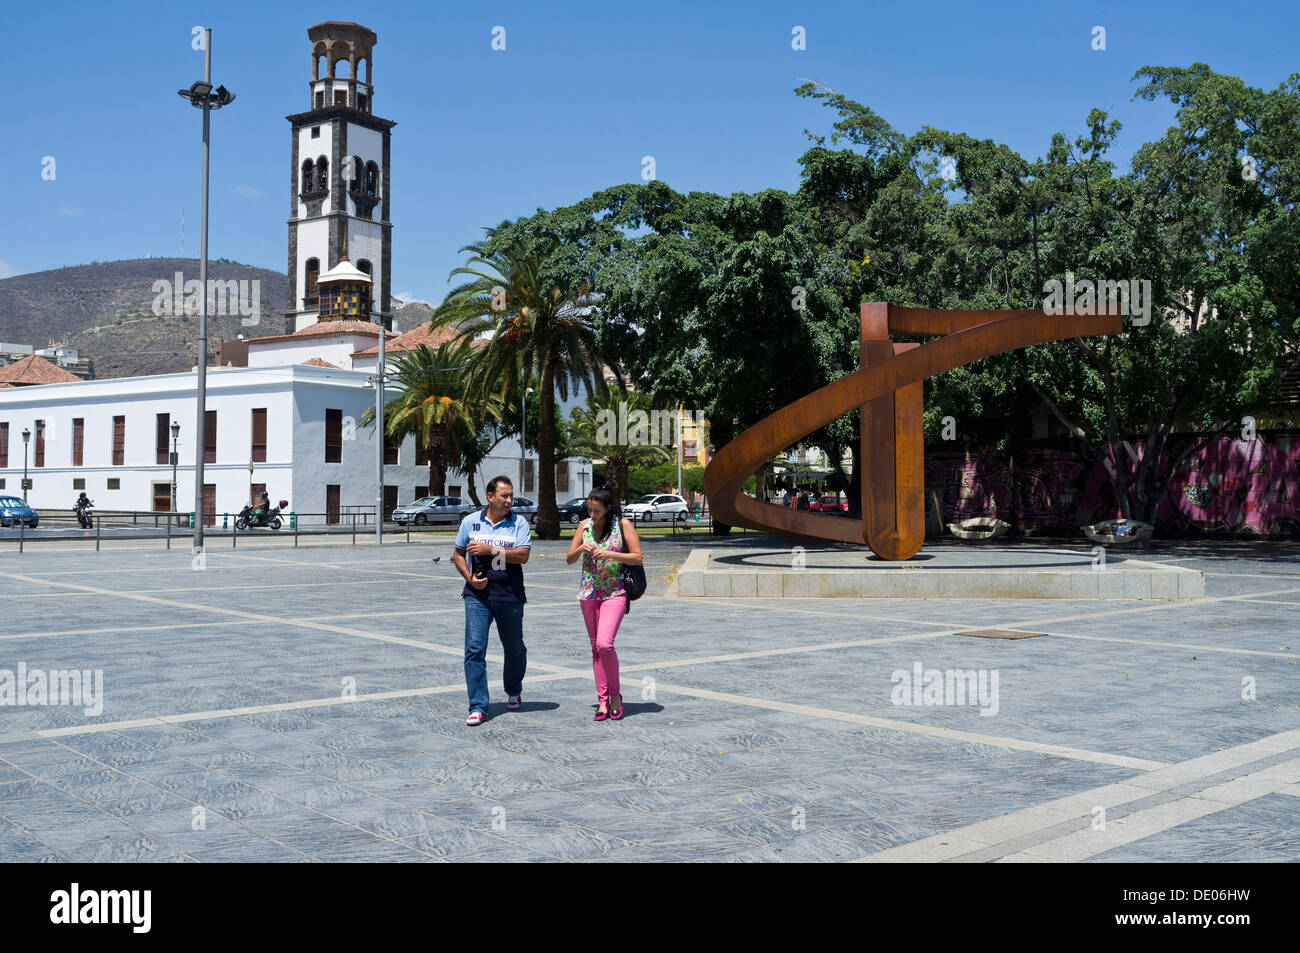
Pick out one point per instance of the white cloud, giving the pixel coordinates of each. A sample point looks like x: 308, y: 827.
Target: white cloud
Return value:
x: 7, y: 270
x: 247, y: 191
x: 66, y: 210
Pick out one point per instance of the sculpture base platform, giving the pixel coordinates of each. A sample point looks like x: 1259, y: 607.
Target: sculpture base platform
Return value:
x: 982, y: 571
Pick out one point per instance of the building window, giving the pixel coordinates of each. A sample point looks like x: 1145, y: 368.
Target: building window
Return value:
x: 391, y: 447
x: 255, y: 494
x: 372, y: 179
x: 528, y: 477
x: 361, y: 102
x: 259, y: 435
x: 4, y: 446
x: 119, y: 443
x: 210, y: 436
x: 38, y: 458
x: 163, y: 421
x: 115, y: 483
x: 2, y: 483
x: 308, y: 176
x: 421, y: 492
x: 313, y: 272
x: 340, y: 97
x: 332, y: 503
x: 365, y: 267
x: 79, y: 483
x: 315, y: 132
x: 322, y: 174
x: 78, y: 444
x: 333, y: 436
x: 320, y: 100
x: 355, y: 170
x: 454, y: 490
x: 562, y: 477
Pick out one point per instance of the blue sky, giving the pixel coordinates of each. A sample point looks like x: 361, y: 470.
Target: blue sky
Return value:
x: 582, y: 92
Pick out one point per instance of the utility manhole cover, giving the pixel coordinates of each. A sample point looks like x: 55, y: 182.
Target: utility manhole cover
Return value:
x: 1001, y: 634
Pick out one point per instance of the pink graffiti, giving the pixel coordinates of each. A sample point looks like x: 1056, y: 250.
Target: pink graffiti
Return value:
x: 1228, y: 485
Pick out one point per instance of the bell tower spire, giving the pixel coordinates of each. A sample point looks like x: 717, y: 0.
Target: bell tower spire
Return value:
x: 339, y: 185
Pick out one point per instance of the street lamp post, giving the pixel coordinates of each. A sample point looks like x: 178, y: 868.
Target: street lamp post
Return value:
x: 176, y: 433
x: 27, y: 435
x: 202, y: 96
x: 582, y: 478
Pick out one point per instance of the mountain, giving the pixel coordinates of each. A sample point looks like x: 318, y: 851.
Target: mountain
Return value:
x: 106, y: 311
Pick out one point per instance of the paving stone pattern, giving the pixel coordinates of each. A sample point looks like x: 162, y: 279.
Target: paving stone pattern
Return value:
x: 308, y: 705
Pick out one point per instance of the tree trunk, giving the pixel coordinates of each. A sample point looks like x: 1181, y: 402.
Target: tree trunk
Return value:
x: 722, y: 432
x: 548, y: 514
x: 615, y: 476
x: 439, y: 449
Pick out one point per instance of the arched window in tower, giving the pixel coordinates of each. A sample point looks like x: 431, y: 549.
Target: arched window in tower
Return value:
x: 365, y: 266
x: 310, y: 290
x: 308, y: 173
x: 322, y: 174
x: 357, y: 171
x: 372, y: 179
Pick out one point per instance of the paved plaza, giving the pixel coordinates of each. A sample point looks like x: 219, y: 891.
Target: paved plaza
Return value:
x: 293, y: 704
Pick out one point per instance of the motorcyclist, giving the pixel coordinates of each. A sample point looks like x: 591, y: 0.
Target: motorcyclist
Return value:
x: 262, y: 507
x: 82, y: 501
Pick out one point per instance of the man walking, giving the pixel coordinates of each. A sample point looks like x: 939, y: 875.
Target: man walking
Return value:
x: 498, y: 543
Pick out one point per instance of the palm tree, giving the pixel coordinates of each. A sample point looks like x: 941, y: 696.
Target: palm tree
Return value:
x: 539, y: 324
x: 433, y: 405
x: 592, y: 436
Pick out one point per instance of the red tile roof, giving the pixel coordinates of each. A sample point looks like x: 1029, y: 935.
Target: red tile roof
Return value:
x: 35, y: 369
x: 414, y: 338
x: 318, y: 362
x: 325, y: 329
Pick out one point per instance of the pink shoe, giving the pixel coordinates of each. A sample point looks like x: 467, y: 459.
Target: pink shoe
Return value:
x: 600, y: 715
x: 616, y: 715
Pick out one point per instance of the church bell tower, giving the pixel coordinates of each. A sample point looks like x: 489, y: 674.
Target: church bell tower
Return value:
x: 339, y: 182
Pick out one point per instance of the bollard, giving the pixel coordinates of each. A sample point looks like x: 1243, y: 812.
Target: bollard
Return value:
x: 293, y: 524
x: 98, y: 523
x: 225, y: 521
x: 293, y: 520
x: 169, y: 531
x: 21, y: 533
x: 234, y: 537
x: 354, y: 529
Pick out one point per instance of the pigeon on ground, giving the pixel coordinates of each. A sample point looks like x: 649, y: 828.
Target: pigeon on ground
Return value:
x: 437, y: 559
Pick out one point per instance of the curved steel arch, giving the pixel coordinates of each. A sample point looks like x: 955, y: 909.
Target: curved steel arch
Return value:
x: 887, y: 387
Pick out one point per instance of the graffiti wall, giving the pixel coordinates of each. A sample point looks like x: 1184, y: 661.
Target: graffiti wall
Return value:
x: 1229, y: 485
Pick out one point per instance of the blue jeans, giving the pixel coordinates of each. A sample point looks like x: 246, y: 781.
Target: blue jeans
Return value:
x: 509, y: 617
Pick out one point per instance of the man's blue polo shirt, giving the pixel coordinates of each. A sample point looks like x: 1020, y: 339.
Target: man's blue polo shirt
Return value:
x: 504, y: 585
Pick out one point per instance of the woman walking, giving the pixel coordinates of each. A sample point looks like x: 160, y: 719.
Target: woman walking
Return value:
x: 606, y: 543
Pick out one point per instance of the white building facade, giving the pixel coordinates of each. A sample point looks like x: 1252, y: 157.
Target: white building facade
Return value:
x: 299, y: 426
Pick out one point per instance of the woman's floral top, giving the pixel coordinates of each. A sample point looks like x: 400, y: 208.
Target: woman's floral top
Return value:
x: 602, y: 580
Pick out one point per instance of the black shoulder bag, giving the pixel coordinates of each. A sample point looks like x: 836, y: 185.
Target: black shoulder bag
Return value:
x: 634, y: 581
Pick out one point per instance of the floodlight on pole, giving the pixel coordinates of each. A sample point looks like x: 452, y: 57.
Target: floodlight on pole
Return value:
x: 201, y: 95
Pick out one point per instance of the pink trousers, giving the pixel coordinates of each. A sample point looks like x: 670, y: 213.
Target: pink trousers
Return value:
x: 603, y: 617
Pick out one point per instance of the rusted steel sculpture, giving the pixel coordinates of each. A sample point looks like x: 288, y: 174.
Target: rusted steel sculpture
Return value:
x: 887, y: 387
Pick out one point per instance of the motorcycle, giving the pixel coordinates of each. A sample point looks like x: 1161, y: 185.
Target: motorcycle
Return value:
x: 270, y: 518
x: 85, y: 514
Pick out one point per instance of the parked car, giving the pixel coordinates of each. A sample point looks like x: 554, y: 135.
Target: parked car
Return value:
x: 525, y: 507
x: 656, y: 506
x: 432, y: 509
x: 829, y: 504
x: 574, y: 511
x: 14, y: 511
